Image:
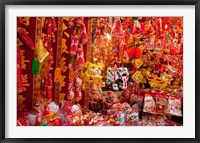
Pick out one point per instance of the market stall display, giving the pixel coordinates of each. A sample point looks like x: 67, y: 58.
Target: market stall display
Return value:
x: 99, y: 71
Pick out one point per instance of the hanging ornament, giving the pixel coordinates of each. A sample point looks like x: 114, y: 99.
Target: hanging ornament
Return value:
x: 25, y: 38
x: 79, y: 21
x: 117, y: 29
x: 78, y: 84
x: 137, y: 28
x: 53, y: 20
x: 74, y: 45
x: 43, y: 57
x: 84, y: 36
x: 71, y: 22
x: 137, y: 76
x: 80, y: 57
x: 102, y: 22
x: 138, y: 63
x: 134, y: 53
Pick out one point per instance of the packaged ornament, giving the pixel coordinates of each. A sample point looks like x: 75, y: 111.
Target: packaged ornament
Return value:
x: 174, y: 106
x: 118, y: 119
x: 53, y: 107
x: 161, y: 103
x: 160, y: 120
x: 127, y: 108
x: 94, y: 106
x: 132, y: 119
x: 117, y: 107
x: 124, y: 97
x: 134, y: 98
x: 149, y: 104
x: 32, y: 119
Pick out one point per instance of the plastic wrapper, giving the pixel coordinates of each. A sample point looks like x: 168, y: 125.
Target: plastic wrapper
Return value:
x: 94, y: 106
x: 53, y: 108
x: 117, y: 107
x: 127, y: 108
x: 32, y: 119
x: 174, y: 106
x: 159, y: 120
x: 161, y: 103
x: 108, y: 100
x: 118, y: 119
x: 134, y: 98
x: 149, y: 104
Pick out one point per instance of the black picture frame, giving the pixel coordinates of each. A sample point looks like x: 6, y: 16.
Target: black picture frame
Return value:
x: 3, y: 4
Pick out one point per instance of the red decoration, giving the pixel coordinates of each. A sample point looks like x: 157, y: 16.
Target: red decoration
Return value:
x: 134, y: 53
x: 71, y: 22
x: 25, y: 38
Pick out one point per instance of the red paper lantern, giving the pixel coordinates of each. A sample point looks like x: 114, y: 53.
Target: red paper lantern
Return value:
x: 134, y: 53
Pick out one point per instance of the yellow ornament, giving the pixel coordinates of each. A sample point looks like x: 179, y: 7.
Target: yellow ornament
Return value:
x: 138, y: 63
x: 137, y: 76
x: 43, y: 57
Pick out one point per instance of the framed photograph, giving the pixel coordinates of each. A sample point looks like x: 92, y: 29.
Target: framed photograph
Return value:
x: 104, y: 71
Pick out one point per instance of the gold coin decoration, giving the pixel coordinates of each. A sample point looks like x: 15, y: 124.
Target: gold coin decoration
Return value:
x: 137, y: 76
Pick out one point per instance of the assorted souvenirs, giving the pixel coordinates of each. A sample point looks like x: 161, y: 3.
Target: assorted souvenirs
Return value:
x: 100, y: 71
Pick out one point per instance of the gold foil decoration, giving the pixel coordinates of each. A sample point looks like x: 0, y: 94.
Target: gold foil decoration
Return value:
x: 137, y: 76
x: 144, y: 59
x: 43, y: 57
x: 138, y: 63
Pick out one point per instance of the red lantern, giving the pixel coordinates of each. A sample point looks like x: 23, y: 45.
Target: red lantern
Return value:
x: 134, y: 53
